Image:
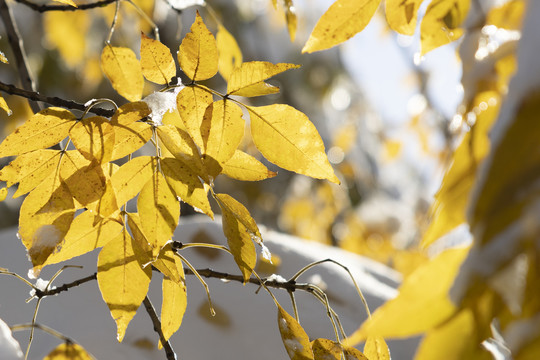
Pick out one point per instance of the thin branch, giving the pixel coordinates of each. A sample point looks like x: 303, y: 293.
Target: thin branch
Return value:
x: 43, y: 328
x: 17, y: 46
x: 55, y: 101
x: 44, y: 7
x: 169, y: 352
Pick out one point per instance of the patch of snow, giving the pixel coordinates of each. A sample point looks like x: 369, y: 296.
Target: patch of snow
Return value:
x: 9, y: 347
x: 161, y: 103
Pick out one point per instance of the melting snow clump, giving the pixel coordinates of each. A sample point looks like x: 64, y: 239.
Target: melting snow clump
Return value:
x: 161, y: 103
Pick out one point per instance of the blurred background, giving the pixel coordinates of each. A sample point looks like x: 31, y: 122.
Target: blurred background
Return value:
x: 384, y: 112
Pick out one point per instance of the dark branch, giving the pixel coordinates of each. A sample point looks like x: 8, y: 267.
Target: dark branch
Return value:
x: 44, y: 7
x: 17, y: 46
x: 169, y: 352
x: 55, y: 101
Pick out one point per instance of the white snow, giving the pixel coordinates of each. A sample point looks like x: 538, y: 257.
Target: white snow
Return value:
x: 161, y: 103
x: 9, y: 347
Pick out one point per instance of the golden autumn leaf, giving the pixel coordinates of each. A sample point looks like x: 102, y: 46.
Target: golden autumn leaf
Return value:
x: 294, y: 337
x: 44, y: 129
x: 159, y: 211
x: 452, y: 198
x: 130, y: 133
x: 3, y: 194
x: 421, y: 304
x: 123, y: 70
x: 140, y: 241
x: 198, y: 53
x: 340, y: 22
x: 287, y: 138
x: 239, y: 227
x: 402, y: 15
x: 230, y: 55
x: 86, y: 182
x: 30, y: 169
x: 183, y: 148
x: 375, y: 348
x: 157, y: 62
x: 174, y: 301
x: 68, y: 351
x: 186, y: 185
x: 462, y: 330
x: 94, y: 137
x: 248, y: 78
x: 222, y: 131
x: 4, y: 106
x: 192, y: 102
x: 508, y: 16
x: 324, y: 349
x: 441, y: 23
x: 169, y: 264
x: 353, y: 354
x: 132, y: 176
x: 86, y: 233
x: 45, y: 217
x: 67, y: 31
x: 122, y: 280
x: 242, y: 166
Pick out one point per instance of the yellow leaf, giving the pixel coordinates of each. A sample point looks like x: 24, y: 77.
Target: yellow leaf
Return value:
x: 508, y: 16
x: 421, y: 304
x: 30, y: 169
x: 324, y: 349
x: 134, y: 222
x: 376, y: 349
x: 198, y: 53
x: 94, y: 137
x: 45, y: 217
x: 131, y: 177
x: 340, y: 22
x: 3, y: 194
x: 239, y: 227
x: 86, y: 183
x: 441, y: 23
x: 462, y: 330
x: 242, y: 166
x: 130, y: 133
x: 353, y: 354
x: 248, y: 78
x: 402, y: 15
x: 230, y: 55
x: 157, y: 62
x: 67, y: 31
x: 169, y: 264
x: 86, y: 233
x: 122, y: 281
x: 452, y: 198
x: 192, y: 102
x: 159, y: 211
x: 130, y: 113
x: 287, y: 138
x: 123, y: 70
x: 174, y: 304
x: 222, y: 131
x: 182, y: 147
x: 68, y: 351
x: 3, y: 104
x: 45, y: 129
x: 67, y: 2
x: 290, y: 17
x: 294, y: 337
x: 186, y: 185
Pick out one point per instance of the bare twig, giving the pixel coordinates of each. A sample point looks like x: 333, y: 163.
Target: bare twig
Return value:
x: 16, y: 43
x: 43, y: 8
x: 55, y: 101
x: 169, y: 352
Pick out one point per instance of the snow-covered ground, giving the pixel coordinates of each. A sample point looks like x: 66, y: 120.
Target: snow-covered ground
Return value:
x: 246, y: 323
